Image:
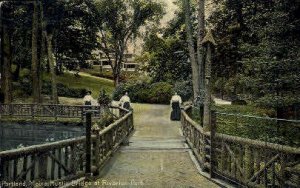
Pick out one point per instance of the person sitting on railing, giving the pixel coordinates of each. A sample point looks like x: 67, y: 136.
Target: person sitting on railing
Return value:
x: 88, y: 99
x: 125, y: 101
x: 175, y: 104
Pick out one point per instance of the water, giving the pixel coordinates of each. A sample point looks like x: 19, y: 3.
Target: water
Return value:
x: 16, y: 135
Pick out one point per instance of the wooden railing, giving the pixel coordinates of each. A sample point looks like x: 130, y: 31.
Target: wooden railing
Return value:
x: 47, y: 111
x: 244, y: 162
x: 53, y: 164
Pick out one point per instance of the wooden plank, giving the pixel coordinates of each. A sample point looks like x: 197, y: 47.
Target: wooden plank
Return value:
x: 282, y: 169
x: 15, y: 168
x: 23, y: 174
x: 60, y: 164
x: 52, y: 165
x: 233, y: 159
x: 32, y: 173
x: 73, y: 160
x: 273, y: 159
x: 66, y: 156
x: 4, y: 169
x: 43, y: 165
x: 25, y: 167
x: 40, y: 148
x: 258, y: 144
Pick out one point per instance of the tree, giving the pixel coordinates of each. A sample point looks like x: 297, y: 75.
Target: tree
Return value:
x: 120, y: 22
x: 69, y: 30
x: 258, y: 53
x: 200, y: 50
x: 6, y: 55
x: 52, y: 14
x: 35, y: 63
x: 167, y: 59
x: 195, y: 68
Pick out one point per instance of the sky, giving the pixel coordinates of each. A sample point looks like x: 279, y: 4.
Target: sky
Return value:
x: 170, y: 9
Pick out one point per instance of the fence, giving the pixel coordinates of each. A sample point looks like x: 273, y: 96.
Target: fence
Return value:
x: 244, y: 162
x: 54, y: 163
x: 47, y: 111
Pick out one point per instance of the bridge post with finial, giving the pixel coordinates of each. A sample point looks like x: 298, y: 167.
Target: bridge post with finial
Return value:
x: 209, y: 43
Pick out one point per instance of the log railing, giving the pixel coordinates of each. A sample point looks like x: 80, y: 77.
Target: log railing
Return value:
x: 53, y: 164
x: 47, y: 111
x: 244, y: 162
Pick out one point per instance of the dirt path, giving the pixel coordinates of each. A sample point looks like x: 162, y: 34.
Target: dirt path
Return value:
x: 156, y: 156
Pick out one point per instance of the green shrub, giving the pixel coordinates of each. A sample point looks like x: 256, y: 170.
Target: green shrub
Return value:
x: 143, y: 92
x: 184, y: 89
x: 24, y: 86
x: 103, y: 98
x: 160, y: 92
x: 106, y: 119
x: 63, y: 90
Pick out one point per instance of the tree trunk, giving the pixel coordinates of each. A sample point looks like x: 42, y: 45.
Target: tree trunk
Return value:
x: 116, y: 74
x: 207, y: 100
x: 51, y: 60
x: 116, y: 80
x: 6, y: 59
x: 200, y: 50
x: 1, y: 60
x: 35, y: 72
x: 195, y: 69
x: 16, y: 73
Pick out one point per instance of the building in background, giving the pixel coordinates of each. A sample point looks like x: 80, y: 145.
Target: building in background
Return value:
x: 101, y: 60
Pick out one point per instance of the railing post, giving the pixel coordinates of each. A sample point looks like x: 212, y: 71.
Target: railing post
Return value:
x: 82, y: 113
x: 96, y: 147
x: 213, y: 125
x: 43, y: 164
x: 55, y: 111
x: 282, y: 170
x: 10, y: 109
x: 88, y: 144
x: 2, y: 169
x: 32, y: 111
x: 249, y: 163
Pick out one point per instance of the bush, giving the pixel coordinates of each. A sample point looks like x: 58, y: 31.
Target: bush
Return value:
x: 24, y: 86
x: 143, y: 92
x: 184, y: 89
x: 239, y: 102
x: 106, y: 119
x: 103, y: 98
x: 63, y: 90
x: 160, y: 92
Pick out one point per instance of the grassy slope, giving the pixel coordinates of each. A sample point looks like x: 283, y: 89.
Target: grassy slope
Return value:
x: 95, y: 84
x: 86, y: 81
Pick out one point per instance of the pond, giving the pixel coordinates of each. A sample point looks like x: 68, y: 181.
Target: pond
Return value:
x: 16, y: 135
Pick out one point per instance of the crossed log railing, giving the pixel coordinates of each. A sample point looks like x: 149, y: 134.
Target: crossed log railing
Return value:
x: 53, y: 164
x: 47, y: 110
x: 244, y: 162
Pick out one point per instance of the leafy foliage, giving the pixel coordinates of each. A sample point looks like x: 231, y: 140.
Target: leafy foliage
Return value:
x: 104, y: 98
x: 143, y: 92
x: 245, y: 121
x: 120, y: 22
x: 258, y: 51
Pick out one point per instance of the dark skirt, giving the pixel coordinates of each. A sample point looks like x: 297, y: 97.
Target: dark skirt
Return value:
x: 88, y: 103
x: 126, y: 105
x: 176, y: 112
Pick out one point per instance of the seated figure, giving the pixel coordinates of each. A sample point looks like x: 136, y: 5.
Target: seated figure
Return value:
x: 125, y: 101
x: 88, y: 99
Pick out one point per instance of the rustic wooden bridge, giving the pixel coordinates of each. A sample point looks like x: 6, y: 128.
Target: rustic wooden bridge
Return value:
x: 157, y: 155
